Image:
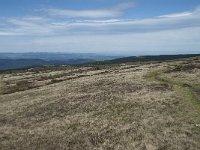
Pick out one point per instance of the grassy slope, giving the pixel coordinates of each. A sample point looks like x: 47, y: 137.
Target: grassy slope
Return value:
x: 110, y: 107
x: 186, y: 90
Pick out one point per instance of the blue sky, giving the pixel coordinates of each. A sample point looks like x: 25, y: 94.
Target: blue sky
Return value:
x: 128, y: 27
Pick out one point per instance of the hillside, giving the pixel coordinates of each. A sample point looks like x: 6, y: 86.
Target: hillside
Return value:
x: 121, y: 106
x: 6, y: 64
x: 24, y: 60
x: 141, y: 59
x: 55, y: 56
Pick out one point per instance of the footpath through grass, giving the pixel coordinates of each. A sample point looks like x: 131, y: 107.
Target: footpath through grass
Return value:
x: 186, y: 92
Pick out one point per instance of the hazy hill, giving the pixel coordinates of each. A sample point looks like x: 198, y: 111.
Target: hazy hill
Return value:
x: 55, y: 56
x: 145, y: 58
x: 21, y: 60
x: 23, y: 63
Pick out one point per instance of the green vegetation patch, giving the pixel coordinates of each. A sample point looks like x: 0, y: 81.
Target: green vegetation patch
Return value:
x: 183, y: 88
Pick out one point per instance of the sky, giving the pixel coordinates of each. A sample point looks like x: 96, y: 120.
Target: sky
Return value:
x: 114, y: 27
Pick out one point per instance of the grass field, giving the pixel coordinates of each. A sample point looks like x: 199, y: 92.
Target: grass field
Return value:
x: 124, y: 106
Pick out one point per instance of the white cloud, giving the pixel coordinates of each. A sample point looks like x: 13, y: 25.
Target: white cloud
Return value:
x: 26, y: 26
x: 84, y: 13
x: 161, y: 42
x: 6, y: 33
x: 95, y: 13
x: 162, y: 34
x: 176, y: 15
x: 51, y: 26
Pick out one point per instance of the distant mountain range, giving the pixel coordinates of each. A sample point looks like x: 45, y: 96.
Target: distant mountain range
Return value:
x: 56, y: 56
x: 23, y: 60
x: 144, y: 59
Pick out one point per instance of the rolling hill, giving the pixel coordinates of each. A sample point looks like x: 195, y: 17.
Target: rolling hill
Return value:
x: 122, y: 106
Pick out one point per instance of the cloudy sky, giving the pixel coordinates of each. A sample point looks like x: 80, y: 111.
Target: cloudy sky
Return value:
x: 128, y: 27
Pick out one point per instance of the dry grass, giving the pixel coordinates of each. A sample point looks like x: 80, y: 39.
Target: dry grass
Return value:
x: 113, y: 107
